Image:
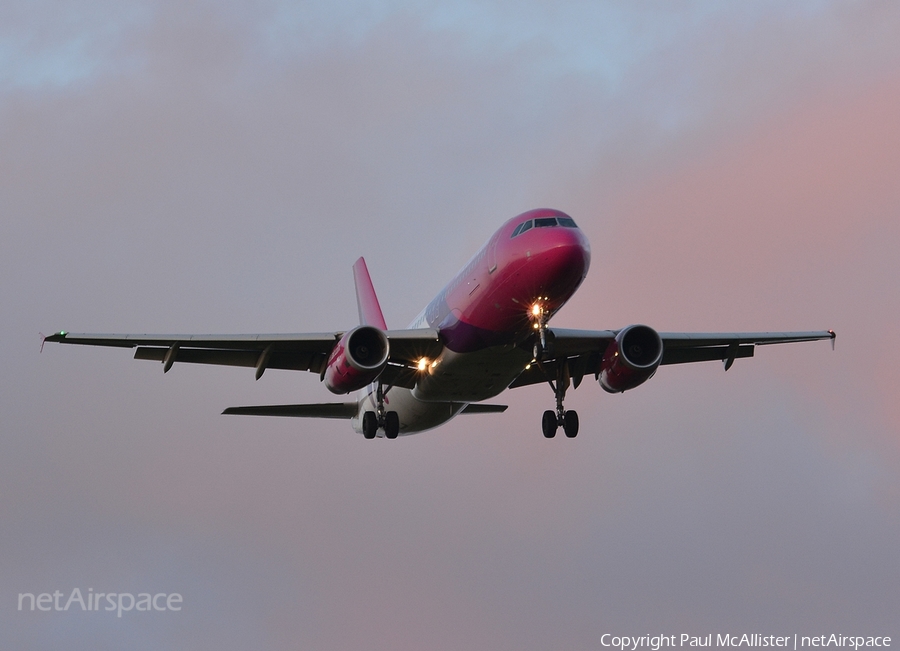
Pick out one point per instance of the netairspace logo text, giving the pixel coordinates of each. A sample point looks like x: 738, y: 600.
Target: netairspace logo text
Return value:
x: 119, y: 602
x: 793, y: 641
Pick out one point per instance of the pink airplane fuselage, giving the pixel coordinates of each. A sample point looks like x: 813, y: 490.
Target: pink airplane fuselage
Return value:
x: 485, y: 319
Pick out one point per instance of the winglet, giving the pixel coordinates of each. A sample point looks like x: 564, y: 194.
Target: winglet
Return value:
x: 366, y: 300
x: 55, y: 337
x: 833, y: 337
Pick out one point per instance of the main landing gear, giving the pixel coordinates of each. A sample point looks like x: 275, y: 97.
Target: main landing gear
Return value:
x: 567, y: 419
x: 551, y: 421
x: 389, y: 421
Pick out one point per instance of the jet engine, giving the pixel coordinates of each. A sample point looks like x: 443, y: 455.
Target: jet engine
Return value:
x: 630, y: 359
x: 356, y: 360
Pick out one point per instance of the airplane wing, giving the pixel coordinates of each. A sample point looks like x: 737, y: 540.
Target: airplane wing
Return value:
x: 297, y: 352
x: 583, y: 349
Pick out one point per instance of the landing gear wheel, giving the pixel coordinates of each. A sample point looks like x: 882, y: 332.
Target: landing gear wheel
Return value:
x: 549, y: 424
x: 570, y: 424
x: 369, y: 424
x: 391, y: 424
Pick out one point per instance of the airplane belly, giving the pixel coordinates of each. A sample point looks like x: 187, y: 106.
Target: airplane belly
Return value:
x: 415, y: 415
x: 472, y: 377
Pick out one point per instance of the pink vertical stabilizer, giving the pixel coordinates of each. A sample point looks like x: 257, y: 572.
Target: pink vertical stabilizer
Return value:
x: 369, y: 309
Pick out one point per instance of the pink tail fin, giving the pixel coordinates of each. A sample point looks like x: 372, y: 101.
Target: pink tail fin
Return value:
x: 366, y: 301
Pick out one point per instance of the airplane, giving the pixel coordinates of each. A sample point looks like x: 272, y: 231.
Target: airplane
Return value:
x: 485, y: 332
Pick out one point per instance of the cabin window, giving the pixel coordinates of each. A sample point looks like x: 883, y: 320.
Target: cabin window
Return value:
x: 568, y: 222
x: 544, y: 222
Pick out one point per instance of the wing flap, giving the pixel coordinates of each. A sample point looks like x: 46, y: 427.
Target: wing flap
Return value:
x: 705, y: 354
x: 280, y: 359
x: 201, y: 356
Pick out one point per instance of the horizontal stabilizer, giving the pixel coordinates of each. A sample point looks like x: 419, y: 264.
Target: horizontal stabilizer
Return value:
x: 342, y: 410
x: 476, y: 408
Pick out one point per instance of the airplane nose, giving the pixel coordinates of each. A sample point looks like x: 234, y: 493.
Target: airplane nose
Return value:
x: 566, y: 252
x: 563, y: 261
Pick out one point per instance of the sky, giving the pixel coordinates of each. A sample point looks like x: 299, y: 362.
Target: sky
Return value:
x: 217, y: 167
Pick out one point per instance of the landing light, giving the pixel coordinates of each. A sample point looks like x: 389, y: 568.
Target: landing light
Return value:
x: 422, y: 364
x: 536, y: 309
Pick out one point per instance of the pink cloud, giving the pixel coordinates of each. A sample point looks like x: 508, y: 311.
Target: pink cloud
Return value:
x: 790, y: 224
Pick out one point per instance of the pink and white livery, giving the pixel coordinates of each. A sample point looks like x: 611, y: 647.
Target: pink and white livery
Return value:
x: 485, y: 332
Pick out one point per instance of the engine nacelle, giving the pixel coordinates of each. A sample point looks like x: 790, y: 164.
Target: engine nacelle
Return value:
x: 630, y: 359
x: 356, y: 360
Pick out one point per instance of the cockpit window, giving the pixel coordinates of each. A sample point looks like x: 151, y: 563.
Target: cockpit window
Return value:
x: 521, y: 228
x: 543, y: 222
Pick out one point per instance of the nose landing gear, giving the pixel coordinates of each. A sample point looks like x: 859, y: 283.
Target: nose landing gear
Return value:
x: 543, y: 346
x: 543, y: 349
